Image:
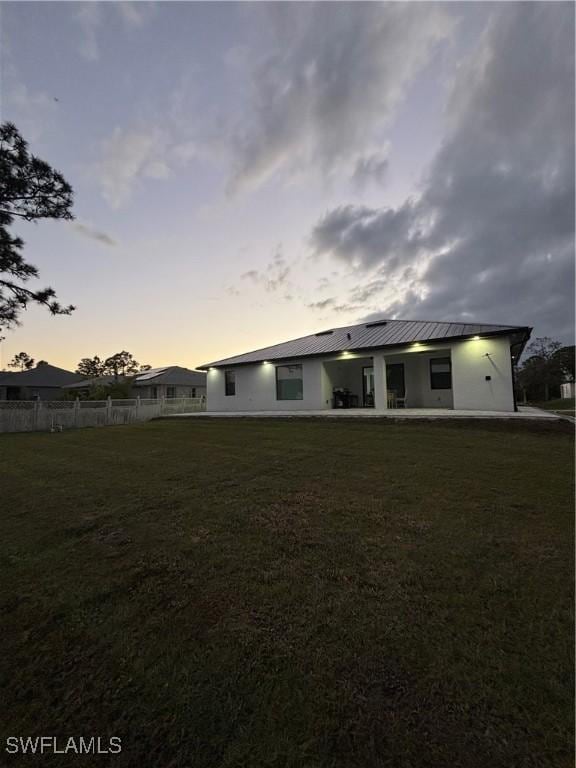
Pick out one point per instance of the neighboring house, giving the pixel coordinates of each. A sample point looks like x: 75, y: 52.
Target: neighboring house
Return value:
x: 567, y: 390
x: 84, y: 386
x: 45, y: 382
x: 171, y: 381
x: 384, y: 364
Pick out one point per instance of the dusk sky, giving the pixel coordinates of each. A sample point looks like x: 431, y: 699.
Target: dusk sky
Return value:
x: 246, y: 173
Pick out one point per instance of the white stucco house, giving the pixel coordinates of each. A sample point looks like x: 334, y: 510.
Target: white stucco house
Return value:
x: 155, y: 383
x: 381, y: 365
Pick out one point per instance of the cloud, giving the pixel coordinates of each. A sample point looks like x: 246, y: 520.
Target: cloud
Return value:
x: 383, y: 284
x: 31, y: 110
x: 331, y: 84
x: 365, y: 292
x: 365, y: 237
x: 130, y: 155
x: 334, y: 307
x: 127, y: 156
x: 370, y: 169
x: 491, y: 235
x: 324, y: 304
x: 93, y: 234
x: 134, y: 14
x: 274, y: 277
x: 347, y: 308
x: 90, y: 16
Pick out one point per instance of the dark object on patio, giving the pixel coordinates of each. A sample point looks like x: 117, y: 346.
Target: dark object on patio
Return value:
x: 343, y: 398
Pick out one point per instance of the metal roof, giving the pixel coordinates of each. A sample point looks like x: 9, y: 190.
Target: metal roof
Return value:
x: 377, y: 334
x: 171, y: 375
x: 151, y: 373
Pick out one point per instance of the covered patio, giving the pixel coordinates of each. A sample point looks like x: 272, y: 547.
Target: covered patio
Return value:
x: 415, y: 380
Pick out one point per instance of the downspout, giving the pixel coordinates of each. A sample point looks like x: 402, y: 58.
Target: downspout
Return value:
x: 527, y: 333
x: 513, y: 382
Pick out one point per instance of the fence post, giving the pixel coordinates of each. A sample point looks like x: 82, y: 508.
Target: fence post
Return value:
x: 36, y: 414
x: 109, y: 410
x: 163, y: 405
x: 76, y: 411
x: 138, y: 408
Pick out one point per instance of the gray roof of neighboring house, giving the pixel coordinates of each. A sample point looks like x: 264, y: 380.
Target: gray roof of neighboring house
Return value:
x: 42, y: 376
x: 173, y: 375
x: 99, y: 381
x: 377, y: 334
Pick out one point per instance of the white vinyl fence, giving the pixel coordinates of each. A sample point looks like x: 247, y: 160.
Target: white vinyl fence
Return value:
x: 57, y: 415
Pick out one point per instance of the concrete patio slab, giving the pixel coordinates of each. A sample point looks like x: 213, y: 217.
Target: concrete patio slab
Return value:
x: 372, y: 413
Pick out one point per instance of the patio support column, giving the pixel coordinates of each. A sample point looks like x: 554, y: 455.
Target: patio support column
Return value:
x: 380, y: 390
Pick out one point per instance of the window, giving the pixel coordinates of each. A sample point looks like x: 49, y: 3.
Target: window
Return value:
x: 395, y: 379
x: 154, y: 393
x: 289, y: 382
x: 170, y: 391
x: 193, y: 392
x: 229, y: 382
x: 440, y: 373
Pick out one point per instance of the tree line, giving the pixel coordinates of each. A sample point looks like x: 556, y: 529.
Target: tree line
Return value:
x: 546, y: 365
x: 118, y: 365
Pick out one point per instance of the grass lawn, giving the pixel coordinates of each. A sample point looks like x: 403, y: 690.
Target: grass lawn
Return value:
x: 226, y: 593
x: 562, y: 404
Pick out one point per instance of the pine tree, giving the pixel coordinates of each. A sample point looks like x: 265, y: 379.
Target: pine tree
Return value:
x: 30, y: 189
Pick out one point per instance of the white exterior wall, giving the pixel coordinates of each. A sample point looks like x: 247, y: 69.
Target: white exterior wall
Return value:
x: 162, y: 390
x: 424, y: 395
x: 256, y: 388
x: 472, y: 361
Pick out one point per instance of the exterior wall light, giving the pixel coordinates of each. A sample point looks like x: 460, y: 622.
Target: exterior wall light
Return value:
x: 475, y: 338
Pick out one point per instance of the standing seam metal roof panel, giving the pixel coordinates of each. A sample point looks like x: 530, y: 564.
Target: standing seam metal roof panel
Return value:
x: 366, y: 336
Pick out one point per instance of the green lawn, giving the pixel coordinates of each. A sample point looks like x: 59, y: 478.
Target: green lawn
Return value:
x: 312, y: 594
x: 562, y: 404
